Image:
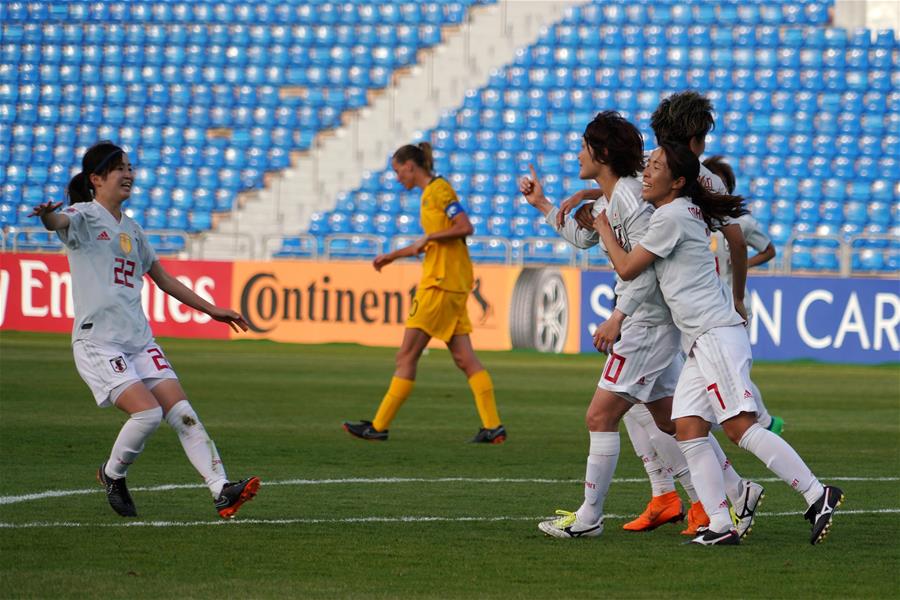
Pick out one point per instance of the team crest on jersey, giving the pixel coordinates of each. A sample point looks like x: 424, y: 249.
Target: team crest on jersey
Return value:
x: 118, y: 364
x: 125, y: 243
x: 103, y: 236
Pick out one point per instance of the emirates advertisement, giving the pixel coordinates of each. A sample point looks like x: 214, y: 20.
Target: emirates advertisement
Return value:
x: 36, y: 295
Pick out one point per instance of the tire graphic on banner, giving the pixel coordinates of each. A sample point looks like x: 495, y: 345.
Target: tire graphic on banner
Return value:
x: 539, y: 310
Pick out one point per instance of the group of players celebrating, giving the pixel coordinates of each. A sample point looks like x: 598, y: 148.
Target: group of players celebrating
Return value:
x: 678, y: 354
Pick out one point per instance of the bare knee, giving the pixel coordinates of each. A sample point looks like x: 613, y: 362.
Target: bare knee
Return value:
x: 604, y: 413
x: 735, y: 427
x: 661, y: 410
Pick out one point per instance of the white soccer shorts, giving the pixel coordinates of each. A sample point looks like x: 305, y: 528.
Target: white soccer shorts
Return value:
x: 715, y: 382
x: 645, y: 363
x: 106, y: 369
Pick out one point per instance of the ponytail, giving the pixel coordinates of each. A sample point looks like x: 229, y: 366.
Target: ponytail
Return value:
x: 79, y: 189
x: 420, y: 154
x: 714, y: 207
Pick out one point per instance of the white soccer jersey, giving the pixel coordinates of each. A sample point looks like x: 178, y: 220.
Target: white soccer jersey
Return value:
x: 687, y: 272
x: 711, y: 181
x: 629, y: 217
x: 756, y: 238
x: 108, y: 260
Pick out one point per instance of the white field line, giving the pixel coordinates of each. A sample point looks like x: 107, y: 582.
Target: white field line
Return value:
x: 373, y: 480
x: 353, y: 520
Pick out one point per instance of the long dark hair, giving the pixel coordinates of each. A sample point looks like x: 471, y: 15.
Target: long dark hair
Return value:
x: 616, y: 142
x: 419, y: 154
x: 715, y: 207
x: 100, y: 159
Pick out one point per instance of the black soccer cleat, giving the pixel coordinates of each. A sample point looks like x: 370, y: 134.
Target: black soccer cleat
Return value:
x: 365, y: 431
x: 708, y: 537
x: 233, y: 495
x: 117, y: 493
x: 821, y: 511
x: 490, y: 436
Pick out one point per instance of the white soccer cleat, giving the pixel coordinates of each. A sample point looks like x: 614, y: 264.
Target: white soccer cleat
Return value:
x: 744, y: 510
x: 567, y: 525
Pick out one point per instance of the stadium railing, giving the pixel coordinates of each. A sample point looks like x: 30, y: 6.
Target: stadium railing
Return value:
x: 38, y: 239
x: 243, y: 244
x: 826, y: 243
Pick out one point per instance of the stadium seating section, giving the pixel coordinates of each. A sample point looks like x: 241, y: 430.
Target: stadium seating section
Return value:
x: 212, y: 95
x: 208, y: 96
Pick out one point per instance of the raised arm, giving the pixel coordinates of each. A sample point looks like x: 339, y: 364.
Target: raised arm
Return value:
x: 51, y: 219
x: 187, y: 296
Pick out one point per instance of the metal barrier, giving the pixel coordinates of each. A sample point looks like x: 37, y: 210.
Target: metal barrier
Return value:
x: 274, y: 242
x: 843, y: 248
x: 504, y: 244
x: 242, y: 244
x: 892, y: 244
x: 529, y: 254
x: 354, y: 238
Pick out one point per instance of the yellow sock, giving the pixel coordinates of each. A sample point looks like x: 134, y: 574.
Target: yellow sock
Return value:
x: 483, y: 390
x: 396, y: 395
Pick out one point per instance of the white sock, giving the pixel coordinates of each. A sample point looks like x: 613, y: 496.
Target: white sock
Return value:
x: 762, y: 413
x: 685, y: 480
x: 198, y: 446
x: 782, y: 460
x: 734, y: 486
x: 706, y: 474
x: 601, y: 464
x: 130, y: 442
x: 660, y: 478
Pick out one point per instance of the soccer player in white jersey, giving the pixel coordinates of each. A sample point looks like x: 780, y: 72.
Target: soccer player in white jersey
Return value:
x: 757, y: 239
x: 686, y: 117
x: 114, y: 349
x: 646, y: 365
x: 713, y: 386
x: 647, y: 362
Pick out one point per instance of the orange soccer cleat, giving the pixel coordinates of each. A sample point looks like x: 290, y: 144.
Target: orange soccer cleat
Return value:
x: 663, y: 509
x: 696, y: 518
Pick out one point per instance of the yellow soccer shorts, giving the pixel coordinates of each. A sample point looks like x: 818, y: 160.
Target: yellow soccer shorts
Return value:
x: 439, y: 313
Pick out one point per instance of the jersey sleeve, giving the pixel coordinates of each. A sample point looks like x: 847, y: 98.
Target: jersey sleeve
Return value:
x: 754, y: 234
x: 572, y: 232
x: 77, y: 233
x: 446, y: 200
x: 663, y: 234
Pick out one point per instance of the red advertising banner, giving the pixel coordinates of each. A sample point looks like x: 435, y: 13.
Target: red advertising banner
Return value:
x: 36, y: 295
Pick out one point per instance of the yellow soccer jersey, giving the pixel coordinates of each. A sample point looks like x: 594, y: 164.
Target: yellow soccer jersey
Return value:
x: 447, y: 264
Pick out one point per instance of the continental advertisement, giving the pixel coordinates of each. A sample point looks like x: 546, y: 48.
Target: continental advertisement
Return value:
x: 314, y: 302
x: 547, y: 309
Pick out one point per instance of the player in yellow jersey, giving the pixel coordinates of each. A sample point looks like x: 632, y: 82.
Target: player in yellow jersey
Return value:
x: 439, y: 307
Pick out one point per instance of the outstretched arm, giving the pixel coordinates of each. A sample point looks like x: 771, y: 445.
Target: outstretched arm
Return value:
x: 51, y: 219
x: 187, y: 296
x: 628, y: 265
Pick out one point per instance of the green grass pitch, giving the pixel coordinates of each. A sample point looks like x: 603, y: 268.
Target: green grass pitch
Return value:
x: 458, y: 520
